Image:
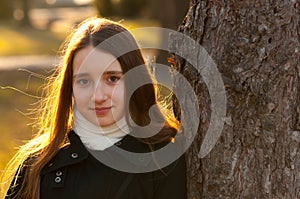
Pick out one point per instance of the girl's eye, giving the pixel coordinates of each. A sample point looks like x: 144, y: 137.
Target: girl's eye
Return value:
x: 82, y: 82
x: 113, y: 79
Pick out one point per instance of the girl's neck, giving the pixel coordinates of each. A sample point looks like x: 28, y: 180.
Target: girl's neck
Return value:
x: 96, y: 137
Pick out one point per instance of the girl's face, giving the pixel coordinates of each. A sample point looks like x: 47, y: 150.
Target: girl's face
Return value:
x: 98, y: 86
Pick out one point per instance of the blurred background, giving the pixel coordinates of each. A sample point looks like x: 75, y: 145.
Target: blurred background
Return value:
x: 31, y: 32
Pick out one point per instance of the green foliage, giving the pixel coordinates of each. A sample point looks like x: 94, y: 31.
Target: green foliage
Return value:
x: 104, y: 7
x: 131, y: 8
x: 123, y: 8
x: 6, y: 10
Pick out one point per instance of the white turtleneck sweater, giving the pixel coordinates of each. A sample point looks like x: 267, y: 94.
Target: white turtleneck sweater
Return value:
x: 95, y: 137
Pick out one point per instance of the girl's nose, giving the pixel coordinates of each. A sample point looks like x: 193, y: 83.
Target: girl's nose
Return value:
x: 100, y: 93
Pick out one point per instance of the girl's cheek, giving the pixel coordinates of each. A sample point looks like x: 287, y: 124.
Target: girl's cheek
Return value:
x: 120, y: 88
x: 81, y: 93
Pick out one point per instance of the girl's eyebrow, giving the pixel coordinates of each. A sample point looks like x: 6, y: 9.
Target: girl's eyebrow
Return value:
x: 105, y: 73
x: 80, y: 75
x: 112, y: 72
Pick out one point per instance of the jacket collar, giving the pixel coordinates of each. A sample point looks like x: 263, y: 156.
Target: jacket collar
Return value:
x: 75, y: 152
x: 71, y: 154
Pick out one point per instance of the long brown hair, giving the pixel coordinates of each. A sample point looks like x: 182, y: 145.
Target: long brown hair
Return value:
x: 56, y: 107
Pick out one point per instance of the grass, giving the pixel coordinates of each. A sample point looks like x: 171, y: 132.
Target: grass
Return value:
x: 17, y: 92
x: 26, y: 41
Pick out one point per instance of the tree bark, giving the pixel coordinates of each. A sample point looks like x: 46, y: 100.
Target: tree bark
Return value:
x: 255, y: 45
x: 26, y: 9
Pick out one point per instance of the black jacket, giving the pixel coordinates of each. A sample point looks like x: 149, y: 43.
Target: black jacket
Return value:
x: 74, y: 173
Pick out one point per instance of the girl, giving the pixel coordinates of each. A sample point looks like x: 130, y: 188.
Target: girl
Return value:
x: 93, y: 107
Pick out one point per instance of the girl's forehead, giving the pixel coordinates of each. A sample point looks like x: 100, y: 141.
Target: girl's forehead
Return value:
x: 90, y: 59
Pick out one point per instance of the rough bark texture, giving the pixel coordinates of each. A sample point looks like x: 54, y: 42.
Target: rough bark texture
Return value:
x: 256, y: 46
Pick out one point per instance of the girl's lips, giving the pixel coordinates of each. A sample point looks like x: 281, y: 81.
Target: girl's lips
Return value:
x: 102, y: 110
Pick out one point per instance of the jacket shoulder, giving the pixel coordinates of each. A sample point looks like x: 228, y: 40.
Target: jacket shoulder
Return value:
x: 19, y: 176
x: 71, y: 153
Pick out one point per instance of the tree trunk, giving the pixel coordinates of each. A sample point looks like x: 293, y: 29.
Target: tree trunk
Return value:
x: 26, y: 9
x: 255, y: 45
